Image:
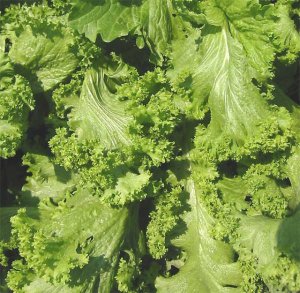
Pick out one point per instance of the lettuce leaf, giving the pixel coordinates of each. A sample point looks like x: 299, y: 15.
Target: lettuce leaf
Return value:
x: 16, y: 103
x: 98, y: 114
x: 81, y: 259
x: 209, y: 264
x: 149, y: 145
x: 44, y: 55
x: 113, y: 19
x: 45, y: 179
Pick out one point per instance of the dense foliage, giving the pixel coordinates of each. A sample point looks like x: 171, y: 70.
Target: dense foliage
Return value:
x: 149, y: 146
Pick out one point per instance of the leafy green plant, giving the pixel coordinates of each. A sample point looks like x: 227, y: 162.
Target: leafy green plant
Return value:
x: 149, y: 146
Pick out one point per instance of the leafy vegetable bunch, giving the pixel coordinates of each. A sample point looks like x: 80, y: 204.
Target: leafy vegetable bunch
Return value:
x: 149, y: 146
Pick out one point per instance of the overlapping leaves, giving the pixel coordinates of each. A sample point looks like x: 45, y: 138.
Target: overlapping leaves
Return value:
x: 183, y: 178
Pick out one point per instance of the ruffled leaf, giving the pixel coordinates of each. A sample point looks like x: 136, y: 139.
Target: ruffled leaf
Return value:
x: 15, y: 104
x: 57, y: 249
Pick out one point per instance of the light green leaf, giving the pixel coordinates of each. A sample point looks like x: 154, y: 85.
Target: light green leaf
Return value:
x: 294, y: 174
x: 240, y: 116
x: 129, y: 188
x: 252, y: 26
x: 231, y: 192
x: 98, y: 114
x: 224, y: 67
x: 222, y: 77
x: 156, y: 26
x: 5, y: 226
x: 256, y: 194
x: 41, y: 286
x: 44, y: 55
x: 209, y: 265
x: 113, y: 19
x: 275, y: 247
x: 15, y: 104
x: 110, y: 18
x: 259, y: 235
x: 81, y: 238
x: 45, y: 179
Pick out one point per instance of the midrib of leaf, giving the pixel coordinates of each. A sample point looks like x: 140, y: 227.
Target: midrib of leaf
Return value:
x: 102, y: 114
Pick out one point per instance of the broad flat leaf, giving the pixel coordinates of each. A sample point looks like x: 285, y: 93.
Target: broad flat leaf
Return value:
x: 44, y: 55
x: 223, y: 66
x: 98, y: 114
x: 222, y: 77
x: 258, y: 234
x: 294, y: 173
x: 110, y: 18
x: 45, y: 179
x: 275, y: 246
x: 209, y: 265
x: 231, y: 191
x: 41, y: 286
x: 262, y: 30
x: 113, y: 19
x: 252, y: 26
x: 222, y: 80
x: 156, y: 26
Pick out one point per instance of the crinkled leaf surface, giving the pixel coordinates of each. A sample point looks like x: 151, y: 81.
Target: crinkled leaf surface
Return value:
x: 80, y: 237
x: 207, y: 83
x: 15, y: 105
x: 45, y: 179
x: 92, y: 18
x: 223, y: 64
x: 113, y: 19
x: 44, y: 55
x: 98, y: 114
x: 209, y: 265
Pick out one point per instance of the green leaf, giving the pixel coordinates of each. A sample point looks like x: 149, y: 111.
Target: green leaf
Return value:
x: 45, y: 179
x: 15, y: 105
x: 156, y: 26
x: 5, y: 214
x: 44, y: 55
x: 255, y: 194
x: 227, y: 71
x: 81, y: 238
x: 275, y: 247
x: 231, y: 192
x: 113, y: 19
x: 294, y: 174
x: 240, y: 116
x: 252, y: 26
x: 288, y: 37
x: 209, y: 264
x: 98, y: 114
x: 129, y: 188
